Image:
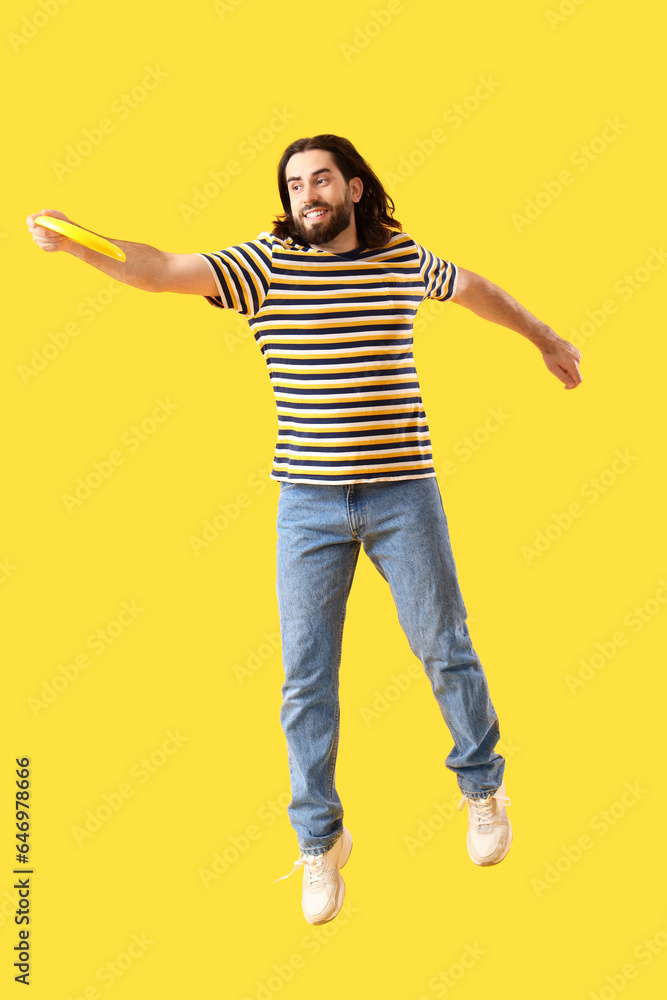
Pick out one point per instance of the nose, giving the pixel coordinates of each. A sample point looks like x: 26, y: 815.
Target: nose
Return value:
x: 311, y: 197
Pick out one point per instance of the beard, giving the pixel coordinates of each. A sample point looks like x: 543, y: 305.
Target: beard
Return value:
x: 332, y: 225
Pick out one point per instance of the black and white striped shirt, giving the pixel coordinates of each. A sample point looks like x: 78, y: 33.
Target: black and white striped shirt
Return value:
x: 335, y: 330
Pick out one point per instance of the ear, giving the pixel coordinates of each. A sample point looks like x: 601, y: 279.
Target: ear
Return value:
x: 356, y: 188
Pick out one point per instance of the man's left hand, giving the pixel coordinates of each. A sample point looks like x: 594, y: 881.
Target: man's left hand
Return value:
x: 562, y: 359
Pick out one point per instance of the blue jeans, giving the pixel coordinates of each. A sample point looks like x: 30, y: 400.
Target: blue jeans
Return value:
x: 403, y: 529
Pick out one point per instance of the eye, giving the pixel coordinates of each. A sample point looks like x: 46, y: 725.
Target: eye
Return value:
x: 320, y: 180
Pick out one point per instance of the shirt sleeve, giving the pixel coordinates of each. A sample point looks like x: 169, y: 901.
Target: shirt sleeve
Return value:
x: 242, y: 274
x: 439, y: 276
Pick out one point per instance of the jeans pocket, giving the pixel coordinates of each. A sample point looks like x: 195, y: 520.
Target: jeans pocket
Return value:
x: 286, y: 486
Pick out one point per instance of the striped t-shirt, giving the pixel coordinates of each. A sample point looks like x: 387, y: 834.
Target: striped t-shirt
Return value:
x: 335, y: 330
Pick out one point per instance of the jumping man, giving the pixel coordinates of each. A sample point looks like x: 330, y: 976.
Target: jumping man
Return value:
x: 331, y: 293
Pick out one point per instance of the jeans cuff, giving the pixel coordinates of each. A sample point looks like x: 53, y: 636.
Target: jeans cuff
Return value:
x: 314, y: 851
x: 479, y: 795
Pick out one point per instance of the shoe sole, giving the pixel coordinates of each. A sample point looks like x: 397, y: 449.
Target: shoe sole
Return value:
x: 345, y: 854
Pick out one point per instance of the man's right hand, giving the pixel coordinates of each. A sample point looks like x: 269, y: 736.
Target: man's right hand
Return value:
x: 144, y: 266
x: 45, y: 238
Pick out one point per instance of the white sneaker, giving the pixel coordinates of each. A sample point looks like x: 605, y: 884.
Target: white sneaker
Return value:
x: 489, y: 829
x: 323, y: 885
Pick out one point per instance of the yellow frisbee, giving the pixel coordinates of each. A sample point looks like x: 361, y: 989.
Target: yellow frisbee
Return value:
x: 83, y: 236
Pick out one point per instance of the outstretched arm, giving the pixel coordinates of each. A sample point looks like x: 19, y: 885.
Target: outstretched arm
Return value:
x: 490, y: 302
x: 144, y: 266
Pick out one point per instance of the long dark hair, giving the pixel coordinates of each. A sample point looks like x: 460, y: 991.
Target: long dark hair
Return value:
x: 374, y: 212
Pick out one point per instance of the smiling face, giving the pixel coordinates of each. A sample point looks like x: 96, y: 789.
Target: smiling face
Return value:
x: 321, y: 201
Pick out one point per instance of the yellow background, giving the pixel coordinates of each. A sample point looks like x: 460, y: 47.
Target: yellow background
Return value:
x: 385, y: 76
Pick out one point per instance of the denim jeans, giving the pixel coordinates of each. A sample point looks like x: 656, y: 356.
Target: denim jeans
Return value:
x: 403, y: 529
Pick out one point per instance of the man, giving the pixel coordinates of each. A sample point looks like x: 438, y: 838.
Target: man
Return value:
x: 330, y: 295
